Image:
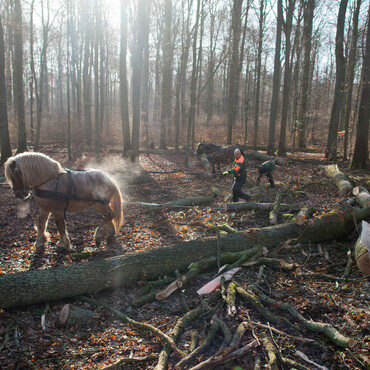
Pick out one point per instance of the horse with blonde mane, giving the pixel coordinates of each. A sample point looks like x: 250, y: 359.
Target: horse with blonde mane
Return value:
x: 57, y: 190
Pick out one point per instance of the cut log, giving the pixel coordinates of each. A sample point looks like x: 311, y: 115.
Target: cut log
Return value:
x: 47, y: 285
x: 180, y: 203
x: 362, y: 248
x: 264, y: 157
x: 303, y: 215
x: 341, y: 181
x: 273, y: 217
x: 362, y: 196
x: 234, y: 207
x: 74, y: 315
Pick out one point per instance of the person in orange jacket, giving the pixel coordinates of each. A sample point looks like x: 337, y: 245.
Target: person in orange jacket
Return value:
x: 239, y: 171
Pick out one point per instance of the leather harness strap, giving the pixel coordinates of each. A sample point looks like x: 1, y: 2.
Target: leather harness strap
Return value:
x: 66, y: 197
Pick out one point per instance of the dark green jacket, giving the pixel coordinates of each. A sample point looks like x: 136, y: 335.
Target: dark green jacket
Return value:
x: 269, y: 165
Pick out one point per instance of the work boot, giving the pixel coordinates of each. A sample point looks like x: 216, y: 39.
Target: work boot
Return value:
x: 247, y: 197
x: 258, y: 181
x: 272, y: 185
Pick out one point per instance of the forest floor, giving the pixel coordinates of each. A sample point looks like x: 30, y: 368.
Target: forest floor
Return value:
x: 26, y: 341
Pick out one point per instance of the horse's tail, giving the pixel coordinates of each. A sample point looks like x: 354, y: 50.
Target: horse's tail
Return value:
x: 117, y: 207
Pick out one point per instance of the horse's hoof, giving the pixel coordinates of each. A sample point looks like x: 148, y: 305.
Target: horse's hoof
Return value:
x: 39, y: 250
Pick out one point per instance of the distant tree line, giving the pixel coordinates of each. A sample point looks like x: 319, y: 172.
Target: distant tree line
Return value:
x: 133, y: 74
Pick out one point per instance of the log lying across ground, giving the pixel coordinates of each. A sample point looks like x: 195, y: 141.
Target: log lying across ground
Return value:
x: 242, y: 206
x: 341, y: 181
x: 264, y: 157
x: 63, y: 282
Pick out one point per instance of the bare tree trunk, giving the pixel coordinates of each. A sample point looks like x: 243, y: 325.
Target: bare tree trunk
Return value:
x: 350, y: 77
x: 287, y: 27
x: 262, y: 17
x: 276, y: 80
x: 193, y: 86
x: 137, y: 62
x: 331, y: 146
x: 233, y: 69
x: 87, y: 77
x: 167, y: 76
x: 361, y: 151
x: 308, y: 11
x: 96, y: 77
x: 69, y: 25
x: 146, y: 82
x: 18, y: 77
x: 123, y: 79
x: 6, y: 150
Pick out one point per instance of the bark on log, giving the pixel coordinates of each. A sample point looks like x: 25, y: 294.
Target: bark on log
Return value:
x: 362, y: 196
x: 264, y: 157
x: 234, y: 207
x: 63, y: 282
x: 303, y: 215
x: 273, y: 217
x: 341, y: 181
x: 179, y: 203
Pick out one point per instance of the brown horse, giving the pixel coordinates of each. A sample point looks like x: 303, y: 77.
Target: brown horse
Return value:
x: 223, y: 156
x: 57, y: 190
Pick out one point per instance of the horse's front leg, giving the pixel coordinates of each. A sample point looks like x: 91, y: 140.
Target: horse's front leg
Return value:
x: 106, y: 230
x: 64, y: 242
x: 42, y: 237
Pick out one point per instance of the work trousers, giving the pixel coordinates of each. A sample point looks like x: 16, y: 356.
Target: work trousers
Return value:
x: 237, y: 189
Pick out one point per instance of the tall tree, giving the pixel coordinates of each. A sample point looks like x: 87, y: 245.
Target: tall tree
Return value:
x: 18, y: 77
x: 98, y: 28
x: 86, y: 74
x: 123, y: 80
x: 6, y: 150
x: 287, y: 27
x: 234, y: 68
x: 137, y: 62
x: 331, y: 146
x: 308, y: 12
x: 167, y: 75
x: 261, y: 21
x: 350, y: 76
x: 193, y: 86
x: 276, y: 79
x: 40, y: 82
x: 361, y: 151
x: 146, y: 75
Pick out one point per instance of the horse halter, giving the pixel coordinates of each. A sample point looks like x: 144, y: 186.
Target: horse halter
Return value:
x: 18, y: 185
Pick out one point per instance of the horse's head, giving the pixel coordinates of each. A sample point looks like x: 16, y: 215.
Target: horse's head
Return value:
x: 15, y: 179
x: 200, y: 148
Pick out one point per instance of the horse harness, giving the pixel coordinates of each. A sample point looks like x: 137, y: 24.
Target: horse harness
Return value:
x: 70, y: 195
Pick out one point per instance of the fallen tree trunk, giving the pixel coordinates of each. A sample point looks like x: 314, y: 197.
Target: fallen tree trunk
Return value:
x: 264, y: 157
x: 362, y: 196
x: 303, y: 215
x: 234, y: 207
x: 180, y: 203
x: 63, y: 282
x: 341, y: 181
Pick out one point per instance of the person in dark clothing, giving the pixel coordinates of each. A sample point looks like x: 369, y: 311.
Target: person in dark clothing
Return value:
x: 266, y: 169
x: 239, y: 171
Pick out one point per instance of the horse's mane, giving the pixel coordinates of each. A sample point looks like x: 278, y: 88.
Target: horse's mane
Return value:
x: 35, y: 167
